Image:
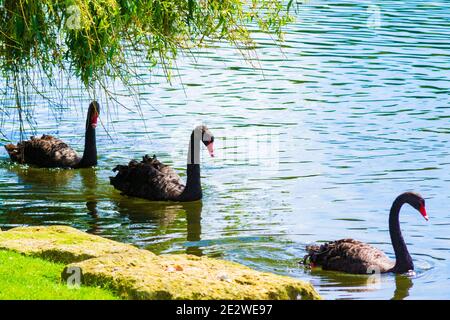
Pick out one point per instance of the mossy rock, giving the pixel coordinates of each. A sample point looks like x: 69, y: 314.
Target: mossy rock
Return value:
x: 139, y: 274
x: 144, y: 276
x: 59, y: 243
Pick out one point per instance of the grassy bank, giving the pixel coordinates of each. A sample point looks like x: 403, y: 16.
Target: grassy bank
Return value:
x: 26, y: 278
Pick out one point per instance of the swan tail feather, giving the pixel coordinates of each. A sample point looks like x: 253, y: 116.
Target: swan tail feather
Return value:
x: 149, y: 179
x: 46, y: 151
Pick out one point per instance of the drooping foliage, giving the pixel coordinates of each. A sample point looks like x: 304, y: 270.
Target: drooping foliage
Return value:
x: 92, y: 35
x: 90, y: 39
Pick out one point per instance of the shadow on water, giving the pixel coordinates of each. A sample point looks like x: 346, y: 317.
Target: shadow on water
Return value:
x: 165, y: 215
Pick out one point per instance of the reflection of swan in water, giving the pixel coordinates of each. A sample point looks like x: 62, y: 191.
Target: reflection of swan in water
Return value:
x: 194, y: 225
x: 144, y: 211
x: 58, y: 188
x: 365, y: 283
x: 60, y: 177
x: 39, y: 176
x: 164, y: 215
x: 402, y: 285
x: 89, y: 183
x: 353, y: 283
x: 49, y: 178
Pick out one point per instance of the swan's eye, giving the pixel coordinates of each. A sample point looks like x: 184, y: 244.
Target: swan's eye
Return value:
x: 208, y: 141
x: 207, y: 138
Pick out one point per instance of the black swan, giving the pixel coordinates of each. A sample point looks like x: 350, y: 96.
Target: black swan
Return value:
x: 50, y: 152
x: 152, y: 180
x: 352, y: 256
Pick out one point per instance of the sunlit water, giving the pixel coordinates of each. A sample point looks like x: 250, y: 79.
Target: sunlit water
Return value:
x: 312, y: 145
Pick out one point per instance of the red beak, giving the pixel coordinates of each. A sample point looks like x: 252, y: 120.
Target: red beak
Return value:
x: 94, y: 121
x: 210, y: 148
x: 423, y: 212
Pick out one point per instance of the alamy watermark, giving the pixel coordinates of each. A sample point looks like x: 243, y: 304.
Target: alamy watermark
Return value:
x: 73, y: 21
x: 255, y: 146
x: 374, y: 280
x: 374, y: 19
x: 73, y: 279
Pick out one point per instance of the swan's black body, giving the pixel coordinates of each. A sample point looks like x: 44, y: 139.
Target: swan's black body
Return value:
x: 152, y: 180
x: 351, y: 256
x: 50, y: 152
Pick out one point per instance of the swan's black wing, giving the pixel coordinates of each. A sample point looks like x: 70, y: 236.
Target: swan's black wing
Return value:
x: 47, y: 151
x: 149, y: 179
x: 348, y: 255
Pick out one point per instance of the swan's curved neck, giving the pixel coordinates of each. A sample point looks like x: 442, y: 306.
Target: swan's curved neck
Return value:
x: 403, y: 261
x: 193, y: 189
x: 90, y: 147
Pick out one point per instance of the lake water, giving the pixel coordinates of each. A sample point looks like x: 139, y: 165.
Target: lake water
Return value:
x: 314, y: 142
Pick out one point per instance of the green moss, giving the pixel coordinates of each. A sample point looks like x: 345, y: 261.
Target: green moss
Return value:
x: 34, y: 278
x: 140, y: 275
x: 59, y: 243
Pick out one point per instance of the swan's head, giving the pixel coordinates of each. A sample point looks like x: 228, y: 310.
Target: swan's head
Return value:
x: 207, y: 138
x: 417, y: 202
x: 93, y: 113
